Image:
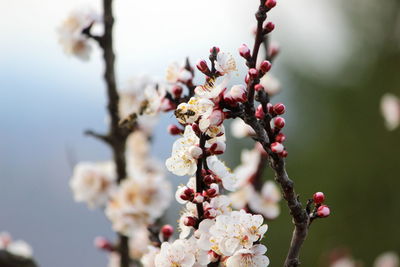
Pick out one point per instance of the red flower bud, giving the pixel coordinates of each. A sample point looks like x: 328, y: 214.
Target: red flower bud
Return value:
x: 202, y: 66
x: 217, y: 148
x: 269, y: 27
x: 253, y: 73
x: 260, y: 112
x: 208, y: 179
x: 270, y: 3
x: 174, y: 130
x: 167, y: 231
x: 258, y: 87
x: 323, y: 211
x: 279, y: 122
x: 319, y: 198
x: 265, y: 66
x: 214, y: 48
x: 283, y: 154
x: 277, y: 147
x: 280, y: 138
x: 177, y: 91
x: 244, y: 51
x: 189, y: 221
x: 188, y: 191
x: 279, y: 108
x: 103, y: 244
x: 270, y: 108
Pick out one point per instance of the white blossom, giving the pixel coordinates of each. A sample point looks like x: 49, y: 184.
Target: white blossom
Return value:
x: 93, y: 182
x: 178, y: 73
x: 139, y: 242
x: 253, y: 257
x: 70, y: 33
x: 138, y: 202
x: 18, y: 247
x: 176, y: 254
x: 390, y: 109
x: 225, y: 63
x: 240, y: 129
x: 271, y: 85
x: 266, y: 203
x: 148, y: 259
x: 387, y: 259
x: 222, y: 172
x: 344, y: 262
x: 181, y: 161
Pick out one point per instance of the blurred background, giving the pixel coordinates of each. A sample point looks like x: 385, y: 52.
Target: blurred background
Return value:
x: 338, y: 58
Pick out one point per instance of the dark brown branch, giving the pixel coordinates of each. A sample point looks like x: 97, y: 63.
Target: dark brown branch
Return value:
x: 102, y: 137
x: 265, y: 135
x: 199, y: 176
x: 116, y: 135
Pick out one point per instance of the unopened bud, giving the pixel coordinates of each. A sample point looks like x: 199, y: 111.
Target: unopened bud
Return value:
x: 198, y: 198
x: 319, y: 198
x: 260, y: 112
x: 265, y: 66
x: 270, y: 3
x: 269, y: 27
x: 174, y: 130
x: 202, y: 66
x: 216, y: 117
x: 239, y: 93
x: 273, y: 50
x: 167, y: 231
x: 208, y: 179
x: 253, y: 73
x: 279, y: 122
x: 210, y: 213
x: 279, y: 108
x: 189, y: 221
x: 258, y: 87
x: 323, y: 211
x: 212, y: 191
x: 177, y: 91
x: 277, y: 147
x: 244, y: 51
x: 247, y: 78
x: 280, y: 138
x: 218, y: 148
x: 283, y: 154
x: 214, y: 48
x: 103, y: 244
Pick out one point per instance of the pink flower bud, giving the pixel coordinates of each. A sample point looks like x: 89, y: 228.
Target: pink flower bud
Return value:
x: 202, y: 66
x: 270, y: 3
x: 195, y: 151
x: 253, y: 73
x: 198, y: 198
x: 210, y: 213
x: 209, y: 179
x: 212, y: 191
x: 279, y: 108
x: 167, y: 231
x: 177, y: 91
x: 260, y: 112
x: 280, y: 138
x: 214, y: 48
x: 283, y: 154
x: 244, y: 51
x: 216, y: 117
x: 269, y: 27
x: 239, y: 93
x: 319, y: 198
x: 218, y: 148
x: 270, y: 108
x: 174, y: 130
x: 265, y: 66
x: 103, y: 244
x: 277, y: 147
x: 323, y: 211
x: 258, y: 87
x: 188, y: 191
x: 167, y: 105
x: 279, y: 122
x: 189, y: 221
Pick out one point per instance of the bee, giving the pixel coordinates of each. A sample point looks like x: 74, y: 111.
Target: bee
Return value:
x: 129, y: 122
x: 182, y: 115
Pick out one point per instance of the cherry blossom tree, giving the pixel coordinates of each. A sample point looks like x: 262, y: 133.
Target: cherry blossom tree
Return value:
x: 223, y: 220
